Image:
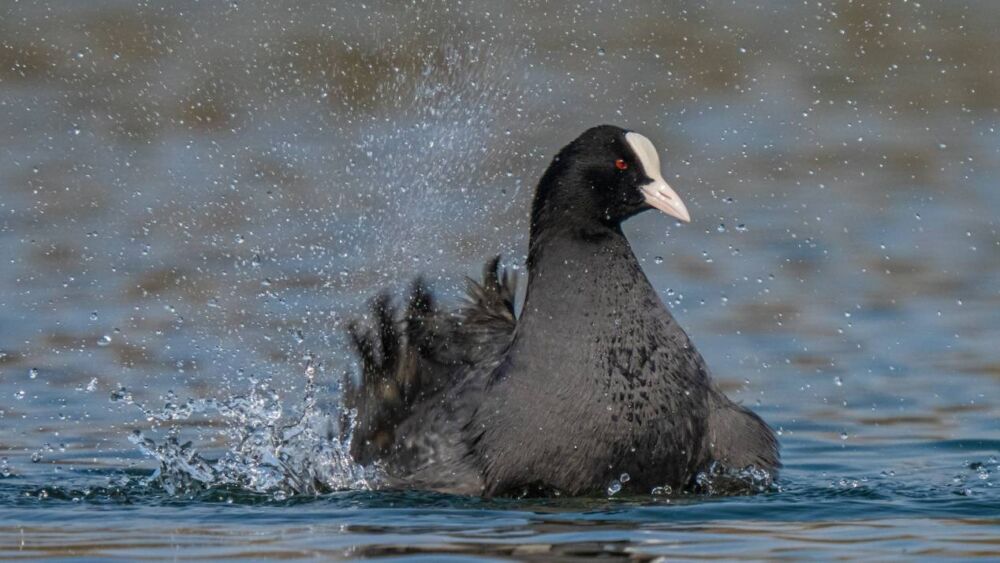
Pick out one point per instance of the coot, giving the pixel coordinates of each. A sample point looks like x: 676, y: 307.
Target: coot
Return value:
x: 593, y: 383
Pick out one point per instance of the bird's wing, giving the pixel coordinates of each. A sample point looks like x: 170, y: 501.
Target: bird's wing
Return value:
x: 410, y: 359
x: 738, y: 438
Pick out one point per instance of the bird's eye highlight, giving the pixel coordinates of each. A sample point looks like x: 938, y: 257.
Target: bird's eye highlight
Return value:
x: 621, y: 164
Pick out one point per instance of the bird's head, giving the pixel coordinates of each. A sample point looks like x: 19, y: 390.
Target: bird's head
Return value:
x: 607, y: 174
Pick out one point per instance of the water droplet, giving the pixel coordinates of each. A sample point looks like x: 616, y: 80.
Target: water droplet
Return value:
x: 838, y: 381
x: 658, y: 260
x: 32, y: 373
x: 601, y: 52
x: 104, y: 340
x: 614, y: 487
x: 624, y: 478
x: 93, y: 316
x: 121, y: 395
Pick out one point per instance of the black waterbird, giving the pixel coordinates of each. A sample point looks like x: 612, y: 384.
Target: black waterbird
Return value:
x: 593, y: 383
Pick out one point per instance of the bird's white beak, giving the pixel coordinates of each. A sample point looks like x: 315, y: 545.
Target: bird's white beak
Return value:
x: 658, y: 193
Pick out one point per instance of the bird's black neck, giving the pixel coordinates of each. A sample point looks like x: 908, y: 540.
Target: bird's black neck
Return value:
x: 583, y: 278
x: 577, y: 268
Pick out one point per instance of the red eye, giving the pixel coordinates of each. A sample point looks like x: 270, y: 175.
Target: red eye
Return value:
x: 621, y: 164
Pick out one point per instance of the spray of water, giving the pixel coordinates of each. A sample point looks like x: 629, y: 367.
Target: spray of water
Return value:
x: 308, y: 453
x: 445, y: 146
x: 446, y: 153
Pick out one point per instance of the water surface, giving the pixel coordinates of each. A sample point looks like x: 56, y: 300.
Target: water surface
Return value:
x: 195, y: 197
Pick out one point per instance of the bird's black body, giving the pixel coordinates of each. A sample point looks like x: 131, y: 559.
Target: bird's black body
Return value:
x: 594, y: 380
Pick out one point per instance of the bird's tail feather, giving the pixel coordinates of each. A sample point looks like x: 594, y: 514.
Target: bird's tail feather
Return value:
x: 406, y: 356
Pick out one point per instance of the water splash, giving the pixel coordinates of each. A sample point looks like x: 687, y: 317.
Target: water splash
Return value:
x: 717, y: 480
x: 448, y: 150
x: 267, y: 453
x: 721, y: 480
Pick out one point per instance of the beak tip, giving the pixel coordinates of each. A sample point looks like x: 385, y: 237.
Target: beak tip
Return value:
x: 661, y: 196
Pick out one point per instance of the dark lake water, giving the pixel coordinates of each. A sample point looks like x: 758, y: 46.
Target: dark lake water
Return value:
x: 195, y: 197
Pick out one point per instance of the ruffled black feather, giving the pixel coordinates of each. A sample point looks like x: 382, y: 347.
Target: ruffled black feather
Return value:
x: 407, y: 357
